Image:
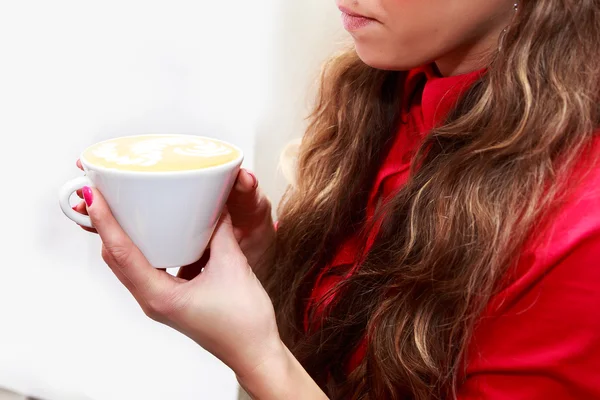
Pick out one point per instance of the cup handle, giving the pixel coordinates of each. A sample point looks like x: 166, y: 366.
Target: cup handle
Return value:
x: 65, y: 194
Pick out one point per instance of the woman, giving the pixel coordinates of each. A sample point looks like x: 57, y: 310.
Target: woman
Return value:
x: 442, y: 236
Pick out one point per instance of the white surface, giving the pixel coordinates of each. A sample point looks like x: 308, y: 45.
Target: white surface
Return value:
x: 76, y: 72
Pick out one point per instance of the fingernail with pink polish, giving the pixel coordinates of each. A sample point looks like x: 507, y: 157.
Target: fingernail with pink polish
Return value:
x: 88, y: 196
x: 255, y: 181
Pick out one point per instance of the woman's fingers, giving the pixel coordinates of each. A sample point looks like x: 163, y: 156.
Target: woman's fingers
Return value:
x: 224, y: 248
x: 149, y: 285
x: 223, y: 240
x: 80, y: 208
x: 153, y: 289
x: 246, y: 200
x: 246, y: 181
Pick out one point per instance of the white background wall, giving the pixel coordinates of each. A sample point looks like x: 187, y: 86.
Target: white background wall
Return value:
x: 73, y: 72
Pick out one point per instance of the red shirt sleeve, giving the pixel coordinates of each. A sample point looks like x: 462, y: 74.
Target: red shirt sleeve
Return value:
x: 545, y: 343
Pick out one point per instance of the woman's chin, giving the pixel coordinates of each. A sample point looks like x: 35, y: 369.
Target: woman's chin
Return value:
x: 379, y: 59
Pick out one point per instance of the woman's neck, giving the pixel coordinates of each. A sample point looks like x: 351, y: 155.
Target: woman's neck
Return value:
x: 473, y: 54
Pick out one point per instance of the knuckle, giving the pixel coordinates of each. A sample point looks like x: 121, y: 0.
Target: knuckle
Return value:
x: 163, y: 307
x: 152, y: 312
x: 120, y: 254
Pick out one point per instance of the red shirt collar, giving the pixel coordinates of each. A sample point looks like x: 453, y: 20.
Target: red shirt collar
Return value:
x: 439, y: 93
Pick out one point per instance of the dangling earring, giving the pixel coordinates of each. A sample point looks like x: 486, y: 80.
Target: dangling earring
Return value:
x: 505, y: 30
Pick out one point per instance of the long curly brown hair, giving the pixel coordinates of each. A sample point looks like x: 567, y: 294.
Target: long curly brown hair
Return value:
x: 479, y: 186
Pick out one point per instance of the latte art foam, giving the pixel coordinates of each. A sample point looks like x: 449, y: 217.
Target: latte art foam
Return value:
x: 160, y: 153
x: 150, y: 152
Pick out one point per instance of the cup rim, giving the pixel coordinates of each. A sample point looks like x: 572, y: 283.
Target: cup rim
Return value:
x: 237, y: 161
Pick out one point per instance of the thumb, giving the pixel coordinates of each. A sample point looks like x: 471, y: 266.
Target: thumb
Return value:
x: 223, y: 240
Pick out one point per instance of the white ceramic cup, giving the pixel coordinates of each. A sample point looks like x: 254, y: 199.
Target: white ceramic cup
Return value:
x: 170, y: 216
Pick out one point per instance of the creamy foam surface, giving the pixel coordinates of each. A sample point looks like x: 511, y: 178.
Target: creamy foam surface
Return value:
x: 160, y: 153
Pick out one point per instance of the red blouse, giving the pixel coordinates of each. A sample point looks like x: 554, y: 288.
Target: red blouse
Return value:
x: 540, y: 337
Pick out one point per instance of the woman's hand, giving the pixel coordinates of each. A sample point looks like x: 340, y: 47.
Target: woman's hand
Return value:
x: 250, y: 212
x: 224, y: 308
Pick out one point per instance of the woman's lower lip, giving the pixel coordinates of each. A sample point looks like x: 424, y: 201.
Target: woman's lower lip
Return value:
x: 354, y: 23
